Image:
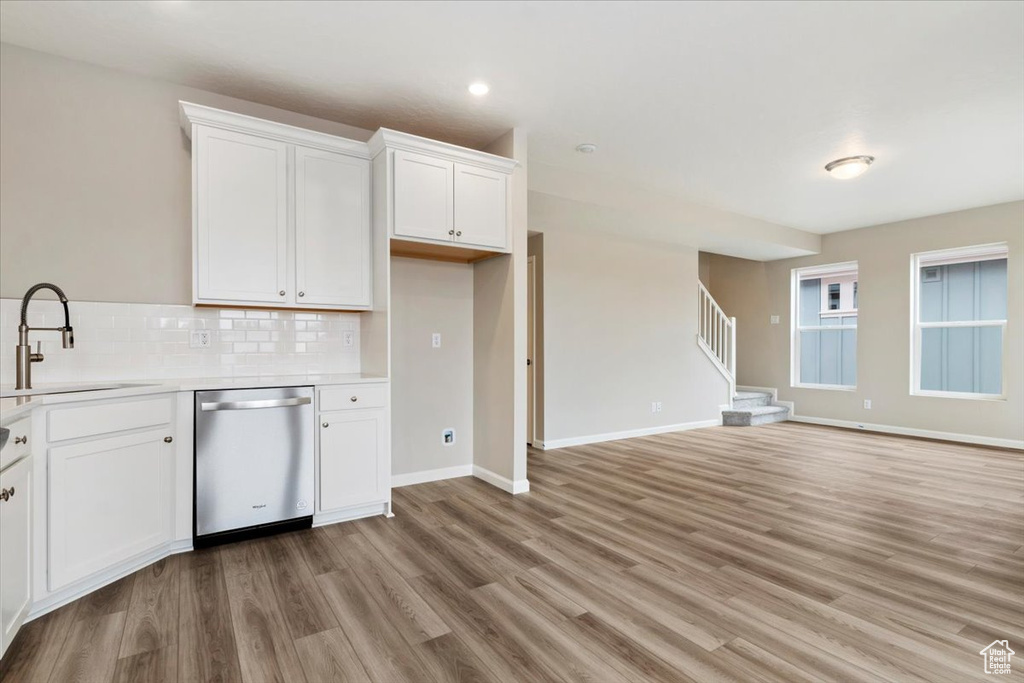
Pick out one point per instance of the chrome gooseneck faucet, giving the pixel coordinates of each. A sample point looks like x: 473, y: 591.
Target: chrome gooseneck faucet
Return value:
x: 25, y: 357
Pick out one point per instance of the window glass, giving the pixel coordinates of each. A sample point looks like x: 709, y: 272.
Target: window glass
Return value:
x: 825, y: 331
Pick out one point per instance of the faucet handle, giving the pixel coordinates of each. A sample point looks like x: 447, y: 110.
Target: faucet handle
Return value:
x: 38, y: 356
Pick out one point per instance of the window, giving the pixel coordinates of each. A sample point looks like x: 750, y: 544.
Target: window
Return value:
x: 959, y: 322
x: 824, y: 319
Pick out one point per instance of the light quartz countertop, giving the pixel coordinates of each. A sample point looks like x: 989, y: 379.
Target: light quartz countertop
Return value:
x: 14, y: 407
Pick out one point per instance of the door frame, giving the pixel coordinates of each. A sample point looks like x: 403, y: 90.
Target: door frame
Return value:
x: 531, y: 314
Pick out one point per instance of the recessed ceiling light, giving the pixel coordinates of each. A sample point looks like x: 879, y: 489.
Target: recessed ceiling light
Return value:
x: 586, y: 148
x: 479, y: 88
x: 849, y: 167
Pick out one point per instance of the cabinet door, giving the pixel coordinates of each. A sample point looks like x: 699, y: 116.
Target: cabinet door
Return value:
x: 241, y: 247
x: 332, y: 229
x: 15, y: 555
x: 108, y: 501
x: 423, y: 197
x: 480, y: 207
x: 353, y: 469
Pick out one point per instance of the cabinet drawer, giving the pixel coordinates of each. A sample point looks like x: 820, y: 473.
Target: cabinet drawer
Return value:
x: 106, y: 418
x: 18, y: 445
x: 353, y: 396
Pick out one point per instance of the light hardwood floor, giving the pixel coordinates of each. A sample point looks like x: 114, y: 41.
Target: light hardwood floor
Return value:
x: 779, y: 553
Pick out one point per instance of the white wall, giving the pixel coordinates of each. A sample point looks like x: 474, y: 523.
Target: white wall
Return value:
x: 753, y: 291
x: 95, y: 179
x: 620, y: 325
x: 431, y: 389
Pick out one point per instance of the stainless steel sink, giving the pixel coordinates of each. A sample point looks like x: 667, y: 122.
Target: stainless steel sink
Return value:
x: 70, y: 389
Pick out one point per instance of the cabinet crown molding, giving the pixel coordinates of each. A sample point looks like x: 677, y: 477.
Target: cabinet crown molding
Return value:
x: 190, y: 114
x: 385, y: 138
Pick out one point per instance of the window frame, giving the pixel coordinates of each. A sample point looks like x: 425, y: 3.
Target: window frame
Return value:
x: 945, y: 257
x: 828, y: 273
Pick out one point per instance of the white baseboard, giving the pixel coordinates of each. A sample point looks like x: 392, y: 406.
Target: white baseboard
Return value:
x: 503, y: 483
x: 424, y: 476
x: 910, y: 431
x: 628, y: 434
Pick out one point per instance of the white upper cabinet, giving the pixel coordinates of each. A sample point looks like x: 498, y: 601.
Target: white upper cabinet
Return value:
x: 242, y: 210
x: 481, y: 209
x: 424, y: 196
x: 441, y: 194
x: 281, y: 215
x: 332, y: 229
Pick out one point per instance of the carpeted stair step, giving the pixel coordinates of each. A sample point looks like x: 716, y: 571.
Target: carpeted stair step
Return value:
x: 742, y: 400
x: 758, y: 415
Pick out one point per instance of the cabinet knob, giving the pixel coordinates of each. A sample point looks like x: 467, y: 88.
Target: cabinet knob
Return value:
x: 281, y: 293
x: 302, y: 294
x: 451, y: 232
x: 458, y: 234
x: 168, y: 439
x: 354, y: 399
x: 7, y: 494
x: 20, y: 439
x: 325, y: 425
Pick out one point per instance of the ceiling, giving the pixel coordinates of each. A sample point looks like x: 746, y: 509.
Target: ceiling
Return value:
x: 732, y: 105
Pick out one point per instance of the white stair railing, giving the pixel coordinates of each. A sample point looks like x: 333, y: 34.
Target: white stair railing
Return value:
x: 716, y: 335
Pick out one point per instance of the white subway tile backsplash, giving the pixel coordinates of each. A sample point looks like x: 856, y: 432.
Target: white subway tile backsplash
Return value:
x: 116, y: 341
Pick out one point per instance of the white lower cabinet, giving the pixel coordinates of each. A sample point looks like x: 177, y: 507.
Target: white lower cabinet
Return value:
x: 354, y: 464
x: 15, y: 548
x: 109, y: 499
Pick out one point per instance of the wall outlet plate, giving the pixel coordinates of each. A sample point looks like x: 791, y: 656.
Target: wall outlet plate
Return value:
x: 199, y: 339
x: 435, y: 340
x: 348, y: 339
x: 867, y: 404
x: 774, y: 320
x: 448, y: 437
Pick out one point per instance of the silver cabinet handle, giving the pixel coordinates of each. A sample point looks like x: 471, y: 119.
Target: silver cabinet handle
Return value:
x: 354, y: 399
x: 168, y: 439
x: 326, y: 425
x: 281, y: 293
x: 253, y: 405
x: 302, y: 294
x: 20, y: 439
x: 7, y: 494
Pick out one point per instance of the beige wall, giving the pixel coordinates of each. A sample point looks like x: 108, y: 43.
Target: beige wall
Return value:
x: 620, y: 325
x: 431, y: 389
x: 95, y: 190
x: 753, y: 291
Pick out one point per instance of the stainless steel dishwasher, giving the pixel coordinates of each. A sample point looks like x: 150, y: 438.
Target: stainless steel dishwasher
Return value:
x: 254, y: 463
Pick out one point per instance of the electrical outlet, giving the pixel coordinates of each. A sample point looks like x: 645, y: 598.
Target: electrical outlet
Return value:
x: 659, y: 406
x: 448, y: 437
x: 348, y: 339
x: 199, y: 339
x: 867, y: 404
x: 435, y: 340
x: 656, y: 406
x: 775, y: 320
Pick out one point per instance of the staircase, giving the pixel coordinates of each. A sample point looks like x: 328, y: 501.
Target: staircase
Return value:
x: 751, y: 408
x: 716, y: 337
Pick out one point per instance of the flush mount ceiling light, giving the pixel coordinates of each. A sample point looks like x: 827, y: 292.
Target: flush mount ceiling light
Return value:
x: 479, y: 88
x: 849, y: 167
x: 586, y: 148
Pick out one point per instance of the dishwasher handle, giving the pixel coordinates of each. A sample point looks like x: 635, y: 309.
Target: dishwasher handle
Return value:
x: 255, y: 405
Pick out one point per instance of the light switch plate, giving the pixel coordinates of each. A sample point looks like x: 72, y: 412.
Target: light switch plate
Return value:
x: 867, y: 404
x: 775, y: 320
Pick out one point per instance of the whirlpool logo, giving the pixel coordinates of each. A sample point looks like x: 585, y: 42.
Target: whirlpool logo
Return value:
x: 259, y: 507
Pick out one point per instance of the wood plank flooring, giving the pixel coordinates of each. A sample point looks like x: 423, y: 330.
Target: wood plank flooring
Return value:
x: 785, y: 552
